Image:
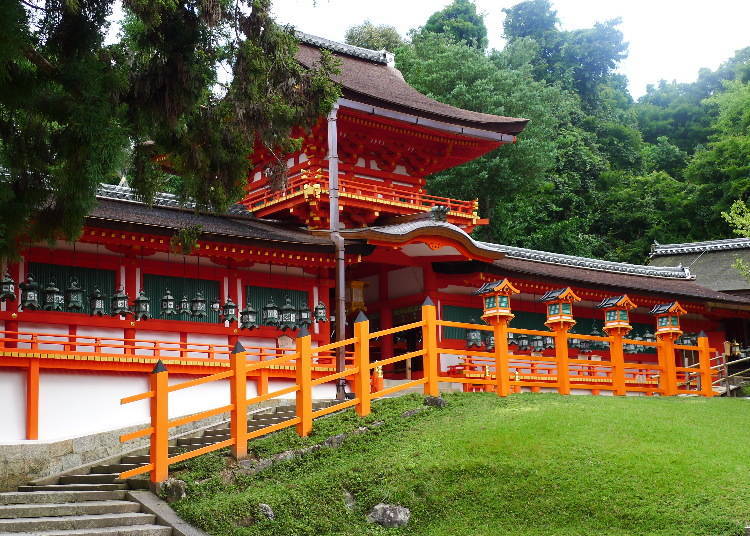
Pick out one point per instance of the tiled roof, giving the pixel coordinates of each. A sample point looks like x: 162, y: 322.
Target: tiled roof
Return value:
x: 367, y: 77
x: 671, y: 272
x: 118, y: 204
x: 699, y: 247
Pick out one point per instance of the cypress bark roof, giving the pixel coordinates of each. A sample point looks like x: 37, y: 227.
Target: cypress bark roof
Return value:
x: 367, y: 76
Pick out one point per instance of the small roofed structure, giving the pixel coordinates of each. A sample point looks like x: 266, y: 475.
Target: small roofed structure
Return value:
x: 668, y: 319
x: 616, y: 314
x: 560, y: 308
x: 496, y: 300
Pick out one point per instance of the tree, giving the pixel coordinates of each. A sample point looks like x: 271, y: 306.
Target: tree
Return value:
x: 72, y: 108
x: 722, y: 169
x: 664, y: 156
x: 580, y: 59
x: 461, y: 22
x: 375, y: 37
x: 738, y: 217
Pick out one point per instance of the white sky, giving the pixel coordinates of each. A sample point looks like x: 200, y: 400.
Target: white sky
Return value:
x: 669, y: 39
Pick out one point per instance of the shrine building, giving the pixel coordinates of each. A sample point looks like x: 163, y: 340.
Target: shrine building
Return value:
x: 84, y: 323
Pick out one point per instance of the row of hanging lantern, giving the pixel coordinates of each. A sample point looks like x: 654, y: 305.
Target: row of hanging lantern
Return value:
x: 51, y: 298
x: 559, y: 304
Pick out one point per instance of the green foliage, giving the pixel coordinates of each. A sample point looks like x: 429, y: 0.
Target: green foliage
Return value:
x: 375, y: 37
x: 527, y: 464
x: 664, y: 156
x: 461, y: 22
x: 73, y: 110
x: 185, y: 240
x: 738, y: 218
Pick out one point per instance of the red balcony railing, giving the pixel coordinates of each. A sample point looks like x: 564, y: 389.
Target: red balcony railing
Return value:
x: 379, y: 193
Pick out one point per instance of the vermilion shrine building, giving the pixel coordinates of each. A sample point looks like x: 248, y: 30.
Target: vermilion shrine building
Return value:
x: 64, y: 370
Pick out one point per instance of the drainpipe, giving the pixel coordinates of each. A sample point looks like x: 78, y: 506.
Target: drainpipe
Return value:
x: 338, y: 242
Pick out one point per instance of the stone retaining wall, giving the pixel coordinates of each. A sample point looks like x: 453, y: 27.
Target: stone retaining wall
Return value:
x: 27, y: 461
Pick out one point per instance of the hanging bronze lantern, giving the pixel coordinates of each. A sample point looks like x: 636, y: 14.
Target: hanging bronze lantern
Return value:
x: 249, y: 318
x: 74, y: 295
x: 229, y: 311
x: 96, y: 303
x: 184, y: 306
x: 168, y: 304
x: 271, y: 314
x: 119, y: 303
x: 53, y: 297
x: 7, y: 288
x: 304, y: 316
x: 29, y: 294
x: 489, y: 342
x: 142, y: 307
x: 288, y: 316
x: 474, y: 337
x: 321, y: 313
x: 216, y: 306
x: 198, y: 305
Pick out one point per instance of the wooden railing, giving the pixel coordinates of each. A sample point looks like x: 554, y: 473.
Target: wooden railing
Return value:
x: 498, y: 370
x: 502, y: 371
x: 302, y: 184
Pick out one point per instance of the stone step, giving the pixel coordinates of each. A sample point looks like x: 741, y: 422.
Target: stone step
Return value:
x: 11, y: 511
x: 57, y: 497
x: 36, y: 524
x: 141, y: 459
x: 135, y: 530
x: 91, y: 478
x: 116, y: 467
x: 73, y: 487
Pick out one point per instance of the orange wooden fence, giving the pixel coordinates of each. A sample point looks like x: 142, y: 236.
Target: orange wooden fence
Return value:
x: 499, y: 370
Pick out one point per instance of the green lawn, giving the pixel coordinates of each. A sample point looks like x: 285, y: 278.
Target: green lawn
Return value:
x: 530, y: 464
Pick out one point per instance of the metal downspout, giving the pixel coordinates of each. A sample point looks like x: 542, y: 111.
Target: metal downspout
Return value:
x: 338, y: 242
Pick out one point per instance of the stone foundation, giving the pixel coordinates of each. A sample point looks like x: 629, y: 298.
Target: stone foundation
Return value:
x: 26, y: 461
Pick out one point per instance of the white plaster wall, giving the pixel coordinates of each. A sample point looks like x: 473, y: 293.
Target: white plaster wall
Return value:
x: 405, y: 282
x: 13, y: 402
x: 56, y: 329
x: 106, y: 336
x: 197, y: 342
x: 250, y: 343
x: 72, y: 405
x: 325, y: 391
x: 164, y: 350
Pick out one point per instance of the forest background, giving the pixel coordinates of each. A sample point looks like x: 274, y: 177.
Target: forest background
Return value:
x: 595, y: 173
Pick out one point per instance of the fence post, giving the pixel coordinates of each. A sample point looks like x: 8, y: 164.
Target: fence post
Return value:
x: 159, y: 454
x: 617, y: 357
x: 667, y: 376
x: 238, y: 392
x: 561, y: 354
x: 32, y: 399
x: 704, y: 360
x: 502, y: 371
x: 304, y: 382
x: 362, y: 363
x: 429, y: 343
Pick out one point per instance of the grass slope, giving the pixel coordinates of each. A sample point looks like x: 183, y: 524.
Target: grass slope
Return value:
x: 529, y: 464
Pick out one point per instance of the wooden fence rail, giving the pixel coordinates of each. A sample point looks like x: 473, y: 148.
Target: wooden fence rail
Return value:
x: 498, y: 370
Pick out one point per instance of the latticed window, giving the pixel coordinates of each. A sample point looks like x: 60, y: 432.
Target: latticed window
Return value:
x: 624, y: 316
x: 611, y: 316
x: 554, y: 309
x: 89, y: 279
x: 567, y: 309
x: 489, y: 302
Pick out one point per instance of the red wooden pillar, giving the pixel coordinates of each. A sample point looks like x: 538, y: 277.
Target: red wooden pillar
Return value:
x: 386, y: 315
x: 12, y: 325
x: 72, y: 340
x: 129, y: 335
x: 32, y: 400
x: 130, y: 278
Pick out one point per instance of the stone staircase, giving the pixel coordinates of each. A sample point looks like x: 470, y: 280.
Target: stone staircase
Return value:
x: 97, y: 502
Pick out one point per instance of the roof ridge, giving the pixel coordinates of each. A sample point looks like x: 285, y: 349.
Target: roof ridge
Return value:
x: 669, y: 272
x: 161, y: 199
x: 376, y: 56
x: 721, y: 244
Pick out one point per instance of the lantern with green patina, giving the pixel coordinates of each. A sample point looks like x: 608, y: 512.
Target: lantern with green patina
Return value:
x: 321, y: 312
x: 119, y: 303
x: 29, y: 294
x: 198, y: 305
x: 271, y: 313
x: 53, y: 297
x: 288, y: 316
x: 168, y: 304
x: 7, y: 288
x: 74, y: 295
x: 249, y: 318
x: 229, y: 311
x: 96, y: 303
x: 142, y: 306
